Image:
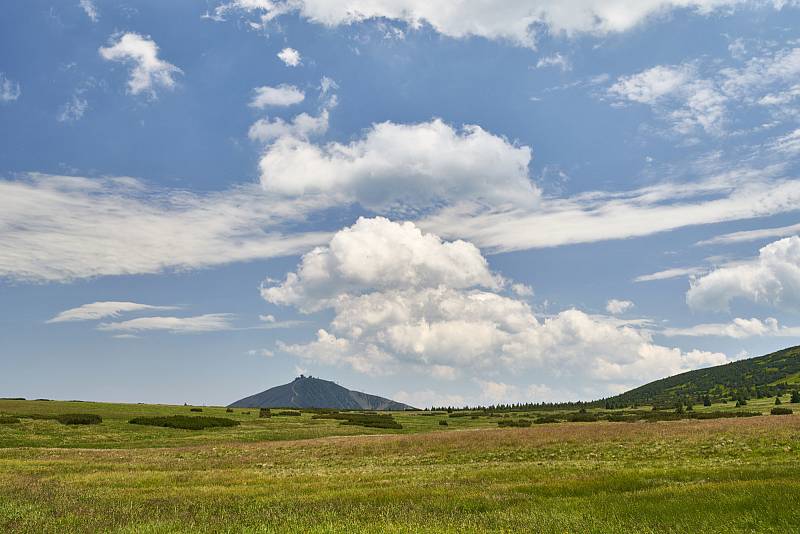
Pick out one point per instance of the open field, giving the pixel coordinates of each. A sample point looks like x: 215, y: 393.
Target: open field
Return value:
x: 304, y: 475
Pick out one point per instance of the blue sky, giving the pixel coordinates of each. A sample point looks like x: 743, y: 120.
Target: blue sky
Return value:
x: 522, y: 201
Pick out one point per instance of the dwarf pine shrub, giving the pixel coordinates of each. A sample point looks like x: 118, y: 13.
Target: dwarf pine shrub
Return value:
x: 79, y: 419
x: 185, y: 422
x: 781, y: 411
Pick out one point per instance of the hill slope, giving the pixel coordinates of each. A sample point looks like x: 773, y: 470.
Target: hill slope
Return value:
x: 761, y: 376
x: 308, y: 392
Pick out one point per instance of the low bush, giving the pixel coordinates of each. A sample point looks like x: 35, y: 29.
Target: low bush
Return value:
x: 514, y: 423
x: 366, y: 420
x: 264, y: 412
x: 5, y: 420
x: 442, y: 422
x: 195, y: 409
x: 545, y: 419
x: 581, y: 417
x: 185, y: 422
x: 290, y: 413
x: 229, y: 410
x: 79, y: 419
x: 12, y: 398
x: 781, y: 411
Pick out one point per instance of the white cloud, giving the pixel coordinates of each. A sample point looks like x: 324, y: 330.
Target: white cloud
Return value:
x: 201, y: 323
x: 737, y: 329
x: 267, y: 318
x: 652, y: 84
x: 148, y: 71
x: 412, y: 166
x: 522, y: 290
x: 290, y: 57
x: 752, y: 235
x: 515, y: 21
x: 73, y: 110
x: 9, y: 90
x: 773, y: 279
x: 601, y: 215
x: 689, y: 101
x: 101, y: 310
x: 301, y: 127
x: 617, y: 307
x: 60, y: 228
x: 405, y: 299
x: 666, y: 274
x: 556, y: 60
x: 266, y: 353
x: 90, y: 9
x: 331, y: 350
x: 383, y: 255
x: 428, y: 398
x: 282, y: 95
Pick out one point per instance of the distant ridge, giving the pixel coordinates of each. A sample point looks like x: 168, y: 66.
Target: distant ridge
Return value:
x: 762, y: 376
x: 308, y: 392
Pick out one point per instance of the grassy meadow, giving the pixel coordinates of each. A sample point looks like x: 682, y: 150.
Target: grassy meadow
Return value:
x: 299, y: 474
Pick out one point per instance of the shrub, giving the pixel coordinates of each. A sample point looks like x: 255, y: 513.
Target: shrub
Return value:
x: 5, y: 420
x: 545, y: 419
x: 474, y: 416
x: 795, y: 397
x: 185, y: 422
x: 777, y: 401
x: 264, y: 412
x: 78, y: 419
x: 366, y: 420
x: 229, y: 410
x: 706, y: 400
x: 581, y: 417
x: 522, y: 423
x: 291, y: 413
x: 781, y: 411
x: 442, y: 422
x: 195, y: 409
x: 12, y: 398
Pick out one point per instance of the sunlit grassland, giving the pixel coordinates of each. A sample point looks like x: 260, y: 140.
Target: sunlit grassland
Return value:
x: 303, y: 475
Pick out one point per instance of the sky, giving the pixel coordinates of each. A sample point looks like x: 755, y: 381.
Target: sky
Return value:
x: 445, y: 203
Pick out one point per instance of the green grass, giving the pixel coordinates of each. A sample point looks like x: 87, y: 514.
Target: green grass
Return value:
x: 298, y: 474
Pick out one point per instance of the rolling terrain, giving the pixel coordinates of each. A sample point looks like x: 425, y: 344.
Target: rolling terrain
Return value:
x: 761, y: 376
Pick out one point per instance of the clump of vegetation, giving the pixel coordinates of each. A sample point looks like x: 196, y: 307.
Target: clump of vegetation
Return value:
x: 264, y: 412
x: 6, y: 420
x: 777, y: 401
x: 442, y: 422
x: 581, y: 417
x: 545, y: 419
x: 290, y: 413
x: 79, y: 419
x: 185, y: 422
x: 522, y: 423
x: 12, y: 398
x: 229, y: 410
x: 795, y: 397
x: 195, y: 409
x: 366, y: 420
x: 781, y: 411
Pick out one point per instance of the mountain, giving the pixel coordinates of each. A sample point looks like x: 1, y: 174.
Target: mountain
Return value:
x: 753, y: 377
x: 308, y: 392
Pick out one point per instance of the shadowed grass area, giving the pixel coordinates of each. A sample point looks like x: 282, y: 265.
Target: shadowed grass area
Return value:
x: 731, y: 475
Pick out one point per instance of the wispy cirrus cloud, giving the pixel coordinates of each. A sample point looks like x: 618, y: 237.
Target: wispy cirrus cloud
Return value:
x: 100, y: 310
x: 211, y: 322
x: 62, y: 228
